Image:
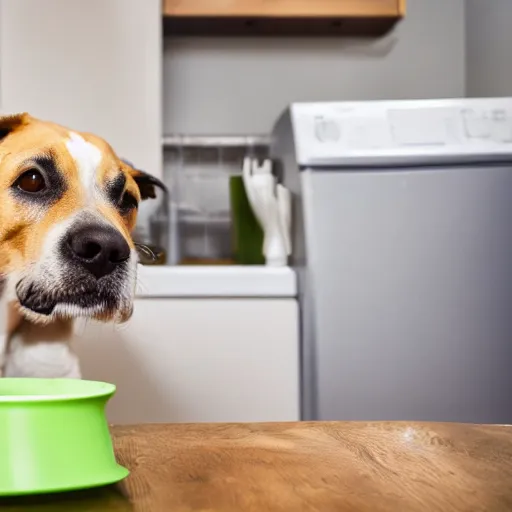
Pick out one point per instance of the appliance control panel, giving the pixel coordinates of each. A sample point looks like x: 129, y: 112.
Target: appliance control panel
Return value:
x: 326, y: 131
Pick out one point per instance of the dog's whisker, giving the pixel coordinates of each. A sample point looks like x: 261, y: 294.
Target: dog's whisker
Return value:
x: 120, y: 327
x: 140, y: 285
x: 145, y: 252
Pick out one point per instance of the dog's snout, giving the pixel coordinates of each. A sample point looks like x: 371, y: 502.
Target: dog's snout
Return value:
x: 99, y: 249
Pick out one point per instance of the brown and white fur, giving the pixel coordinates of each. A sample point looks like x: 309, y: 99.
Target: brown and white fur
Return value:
x: 65, y: 250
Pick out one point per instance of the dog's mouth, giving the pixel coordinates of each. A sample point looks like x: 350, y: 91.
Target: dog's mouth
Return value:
x: 43, y: 303
x: 102, y: 299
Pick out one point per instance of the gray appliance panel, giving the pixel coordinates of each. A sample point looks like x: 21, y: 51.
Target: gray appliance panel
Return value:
x: 409, y: 295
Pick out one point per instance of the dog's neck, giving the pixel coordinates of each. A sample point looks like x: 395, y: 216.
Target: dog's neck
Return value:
x: 34, y: 350
x: 59, y: 330
x: 42, y: 351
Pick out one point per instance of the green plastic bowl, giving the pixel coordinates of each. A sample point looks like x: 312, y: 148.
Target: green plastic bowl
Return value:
x: 54, y: 436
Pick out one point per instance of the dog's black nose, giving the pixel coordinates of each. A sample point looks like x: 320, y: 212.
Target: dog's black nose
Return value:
x: 99, y: 249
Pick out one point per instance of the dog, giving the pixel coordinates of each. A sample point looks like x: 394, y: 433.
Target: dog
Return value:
x: 68, y: 205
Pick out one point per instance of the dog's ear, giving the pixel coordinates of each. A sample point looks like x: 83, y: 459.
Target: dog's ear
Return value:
x: 12, y: 122
x: 145, y: 182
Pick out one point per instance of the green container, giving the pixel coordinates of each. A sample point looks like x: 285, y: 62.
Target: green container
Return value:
x: 54, y: 436
x: 247, y: 233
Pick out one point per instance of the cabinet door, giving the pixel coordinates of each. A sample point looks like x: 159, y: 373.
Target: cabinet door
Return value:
x: 198, y: 360
x: 91, y: 65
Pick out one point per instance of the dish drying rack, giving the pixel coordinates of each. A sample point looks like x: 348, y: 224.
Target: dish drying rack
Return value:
x: 197, y: 170
x: 251, y: 142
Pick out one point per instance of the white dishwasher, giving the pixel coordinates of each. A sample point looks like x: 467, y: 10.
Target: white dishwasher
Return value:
x: 403, y: 246
x: 205, y: 344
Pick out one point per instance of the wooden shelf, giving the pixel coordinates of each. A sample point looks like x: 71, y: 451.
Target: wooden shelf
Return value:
x: 282, y: 8
x: 281, y: 17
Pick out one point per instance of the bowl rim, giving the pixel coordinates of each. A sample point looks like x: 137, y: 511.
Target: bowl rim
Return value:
x: 89, y: 389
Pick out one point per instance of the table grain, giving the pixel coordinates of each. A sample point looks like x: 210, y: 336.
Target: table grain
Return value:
x: 324, y: 467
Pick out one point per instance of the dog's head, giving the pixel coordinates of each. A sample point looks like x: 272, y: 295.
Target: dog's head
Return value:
x: 67, y: 207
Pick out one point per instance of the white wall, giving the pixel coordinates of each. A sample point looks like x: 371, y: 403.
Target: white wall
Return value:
x: 489, y: 47
x: 94, y: 66
x: 229, y: 85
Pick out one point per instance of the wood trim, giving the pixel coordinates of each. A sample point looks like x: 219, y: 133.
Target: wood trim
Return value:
x: 402, y: 7
x: 284, y: 8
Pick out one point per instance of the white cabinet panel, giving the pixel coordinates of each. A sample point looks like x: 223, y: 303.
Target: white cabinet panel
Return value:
x: 198, y: 360
x: 91, y: 65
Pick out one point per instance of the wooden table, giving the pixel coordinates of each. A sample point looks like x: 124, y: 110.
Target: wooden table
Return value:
x: 325, y: 467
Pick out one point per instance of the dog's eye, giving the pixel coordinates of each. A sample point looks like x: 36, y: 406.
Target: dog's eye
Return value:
x: 31, y: 181
x: 127, y: 203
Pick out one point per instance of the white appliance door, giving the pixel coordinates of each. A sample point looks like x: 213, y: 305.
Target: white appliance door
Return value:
x: 411, y: 294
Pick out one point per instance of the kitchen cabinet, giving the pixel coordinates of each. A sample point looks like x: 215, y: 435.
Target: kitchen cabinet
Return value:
x: 93, y: 66
x: 354, y: 17
x: 198, y: 360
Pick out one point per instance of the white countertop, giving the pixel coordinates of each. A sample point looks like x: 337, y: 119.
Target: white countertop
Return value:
x: 216, y: 281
